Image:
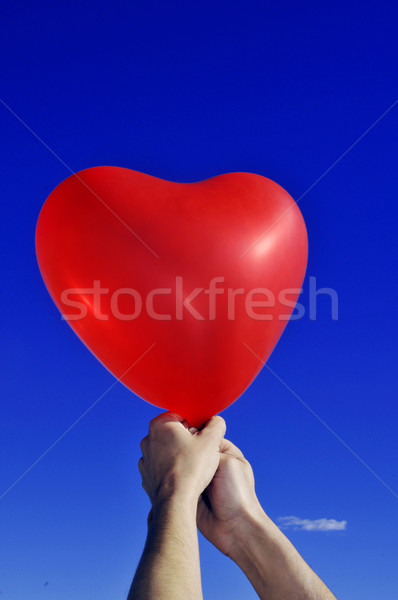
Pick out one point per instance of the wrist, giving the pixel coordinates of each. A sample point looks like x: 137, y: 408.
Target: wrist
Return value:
x: 252, y: 529
x: 175, y: 497
x: 177, y: 488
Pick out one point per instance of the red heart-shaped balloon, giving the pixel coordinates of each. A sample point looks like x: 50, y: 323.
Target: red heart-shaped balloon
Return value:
x: 180, y: 290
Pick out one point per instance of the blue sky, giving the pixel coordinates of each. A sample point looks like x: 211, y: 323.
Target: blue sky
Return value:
x: 185, y: 92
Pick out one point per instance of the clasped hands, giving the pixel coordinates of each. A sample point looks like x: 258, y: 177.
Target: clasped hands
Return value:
x: 204, y: 470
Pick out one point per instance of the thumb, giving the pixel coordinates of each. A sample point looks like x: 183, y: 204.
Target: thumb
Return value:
x: 227, y: 447
x: 215, y: 427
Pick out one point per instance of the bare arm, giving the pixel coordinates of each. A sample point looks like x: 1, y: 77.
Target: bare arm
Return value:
x: 169, y: 566
x: 230, y: 516
x: 176, y: 467
x: 272, y: 564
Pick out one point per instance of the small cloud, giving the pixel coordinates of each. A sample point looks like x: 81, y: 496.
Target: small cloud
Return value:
x: 311, y: 525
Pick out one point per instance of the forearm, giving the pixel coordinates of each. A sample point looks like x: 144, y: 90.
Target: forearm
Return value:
x: 273, y: 565
x: 169, y: 567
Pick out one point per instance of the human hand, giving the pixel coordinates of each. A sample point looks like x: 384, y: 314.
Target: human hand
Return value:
x: 177, y: 460
x: 229, y: 502
x: 230, y: 516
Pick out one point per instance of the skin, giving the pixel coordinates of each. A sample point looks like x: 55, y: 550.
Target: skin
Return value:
x: 199, y: 479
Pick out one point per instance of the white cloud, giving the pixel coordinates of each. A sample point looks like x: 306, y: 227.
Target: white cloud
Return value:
x: 311, y: 525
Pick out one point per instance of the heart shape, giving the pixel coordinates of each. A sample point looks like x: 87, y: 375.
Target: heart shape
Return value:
x: 180, y: 290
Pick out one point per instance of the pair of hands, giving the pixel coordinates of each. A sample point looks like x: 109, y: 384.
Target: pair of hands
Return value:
x: 203, y: 468
x: 189, y: 473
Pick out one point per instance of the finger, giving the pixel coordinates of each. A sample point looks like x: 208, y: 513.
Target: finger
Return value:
x: 145, y: 487
x: 141, y: 465
x: 163, y: 418
x: 227, y: 447
x: 188, y: 427
x: 143, y: 444
x: 172, y: 416
x: 216, y: 427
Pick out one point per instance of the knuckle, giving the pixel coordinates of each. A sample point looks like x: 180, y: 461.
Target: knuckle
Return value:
x: 175, y: 416
x: 154, y: 424
x: 143, y: 444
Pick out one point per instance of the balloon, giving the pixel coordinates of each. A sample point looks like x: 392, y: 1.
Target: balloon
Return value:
x: 180, y: 290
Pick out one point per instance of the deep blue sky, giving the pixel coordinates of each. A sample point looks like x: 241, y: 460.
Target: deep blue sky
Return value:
x: 185, y: 91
